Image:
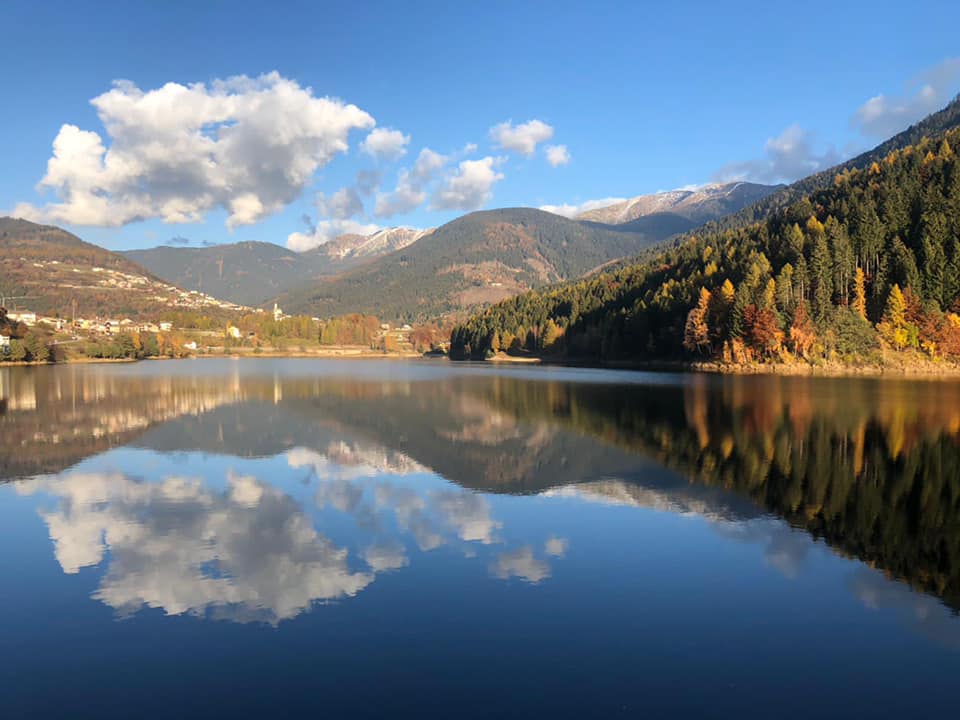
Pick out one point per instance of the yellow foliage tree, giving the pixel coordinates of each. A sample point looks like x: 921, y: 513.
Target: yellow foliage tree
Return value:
x: 860, y: 292
x: 696, y: 336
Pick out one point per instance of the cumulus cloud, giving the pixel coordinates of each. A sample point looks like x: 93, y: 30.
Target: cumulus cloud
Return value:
x: 469, y: 187
x: 246, y: 145
x: 368, y: 181
x: 558, y: 155
x: 385, y: 144
x: 522, y: 139
x: 410, y: 191
x: 326, y: 230
x: 787, y: 157
x: 882, y: 115
x: 343, y: 204
x: 570, y: 211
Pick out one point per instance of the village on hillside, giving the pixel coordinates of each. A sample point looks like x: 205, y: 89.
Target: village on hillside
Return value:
x: 185, y: 330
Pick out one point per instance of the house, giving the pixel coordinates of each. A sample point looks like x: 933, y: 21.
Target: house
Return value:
x: 192, y: 345
x: 4, y: 344
x: 26, y: 317
x: 234, y: 332
x: 277, y: 313
x: 166, y: 326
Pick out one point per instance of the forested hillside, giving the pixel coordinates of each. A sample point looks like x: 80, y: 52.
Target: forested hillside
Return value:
x: 479, y: 258
x: 867, y: 264
x: 930, y: 127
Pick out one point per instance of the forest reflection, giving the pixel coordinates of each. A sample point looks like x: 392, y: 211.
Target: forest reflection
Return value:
x: 870, y: 466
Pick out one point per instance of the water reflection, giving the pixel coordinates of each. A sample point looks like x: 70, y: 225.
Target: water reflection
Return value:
x: 871, y: 468
x: 245, y: 553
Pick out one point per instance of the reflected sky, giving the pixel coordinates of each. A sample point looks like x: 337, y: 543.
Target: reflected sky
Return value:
x: 697, y: 530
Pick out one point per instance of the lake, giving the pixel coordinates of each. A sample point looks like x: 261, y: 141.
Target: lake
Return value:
x: 304, y: 538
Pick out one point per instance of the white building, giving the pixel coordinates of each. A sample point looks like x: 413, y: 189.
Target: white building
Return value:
x: 192, y: 345
x: 277, y: 313
x: 166, y: 326
x: 233, y: 332
x: 26, y: 317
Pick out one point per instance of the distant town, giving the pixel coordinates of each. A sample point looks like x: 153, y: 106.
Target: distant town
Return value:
x: 189, y: 328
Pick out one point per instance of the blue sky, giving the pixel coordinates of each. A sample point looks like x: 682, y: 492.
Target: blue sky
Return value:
x: 643, y: 97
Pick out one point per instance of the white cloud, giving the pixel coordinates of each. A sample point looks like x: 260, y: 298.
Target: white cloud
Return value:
x: 522, y: 139
x: 787, y: 157
x: 410, y: 191
x: 882, y: 115
x: 343, y: 204
x: 558, y: 155
x: 368, y: 181
x: 326, y: 230
x: 246, y: 145
x: 470, y: 187
x: 428, y: 164
x: 570, y: 211
x: 385, y: 144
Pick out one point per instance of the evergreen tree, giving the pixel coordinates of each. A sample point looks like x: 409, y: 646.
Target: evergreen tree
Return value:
x: 844, y: 262
x: 821, y: 276
x: 934, y: 231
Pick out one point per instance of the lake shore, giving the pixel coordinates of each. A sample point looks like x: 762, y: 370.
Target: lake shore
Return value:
x: 340, y: 352
x: 918, y: 369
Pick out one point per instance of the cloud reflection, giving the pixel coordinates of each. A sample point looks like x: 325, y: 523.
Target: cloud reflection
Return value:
x: 520, y: 563
x: 926, y: 615
x: 244, y: 553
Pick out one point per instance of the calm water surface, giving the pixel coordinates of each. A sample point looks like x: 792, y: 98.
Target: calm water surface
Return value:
x: 297, y: 538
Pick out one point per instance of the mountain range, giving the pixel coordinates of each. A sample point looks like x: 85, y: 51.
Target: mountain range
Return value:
x: 479, y: 258
x: 252, y: 272
x: 696, y: 206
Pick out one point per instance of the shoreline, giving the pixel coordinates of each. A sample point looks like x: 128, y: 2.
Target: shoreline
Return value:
x: 918, y: 370
x: 927, y: 370
x: 338, y: 355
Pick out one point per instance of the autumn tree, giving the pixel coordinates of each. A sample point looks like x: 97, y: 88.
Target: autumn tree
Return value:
x: 893, y: 326
x: 696, y: 336
x: 803, y: 335
x: 860, y: 293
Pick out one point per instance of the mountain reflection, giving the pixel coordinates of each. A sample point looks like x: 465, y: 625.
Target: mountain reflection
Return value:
x: 870, y: 467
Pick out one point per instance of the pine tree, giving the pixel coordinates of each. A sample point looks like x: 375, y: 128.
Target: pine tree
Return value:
x: 740, y: 301
x: 785, y: 289
x: 795, y: 240
x: 934, y: 230
x: 821, y: 275
x: 844, y: 261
